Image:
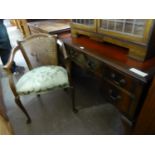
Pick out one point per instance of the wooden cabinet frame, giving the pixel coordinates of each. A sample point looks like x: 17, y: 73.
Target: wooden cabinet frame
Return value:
x: 139, y: 48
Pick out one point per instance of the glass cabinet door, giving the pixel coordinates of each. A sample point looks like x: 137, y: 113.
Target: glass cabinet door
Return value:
x: 88, y: 22
x: 131, y: 29
x: 85, y: 24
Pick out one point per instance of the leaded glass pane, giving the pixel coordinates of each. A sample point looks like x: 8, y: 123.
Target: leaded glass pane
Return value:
x: 128, y: 28
x: 139, y: 30
x: 104, y: 24
x: 88, y: 22
x: 134, y: 27
x: 111, y: 25
x: 119, y: 26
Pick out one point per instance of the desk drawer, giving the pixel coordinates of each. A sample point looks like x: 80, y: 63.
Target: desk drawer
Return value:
x: 120, y: 79
x: 93, y: 64
x: 78, y: 58
x: 86, y: 61
x: 124, y: 101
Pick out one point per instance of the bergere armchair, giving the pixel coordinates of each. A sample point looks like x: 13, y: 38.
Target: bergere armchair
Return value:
x: 44, y: 75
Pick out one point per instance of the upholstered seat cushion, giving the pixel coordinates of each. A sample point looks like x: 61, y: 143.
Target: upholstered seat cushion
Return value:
x: 42, y: 79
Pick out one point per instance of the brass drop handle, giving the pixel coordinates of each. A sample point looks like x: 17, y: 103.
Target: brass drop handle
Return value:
x: 89, y: 63
x: 122, y: 82
x: 114, y: 96
x: 113, y: 76
x: 118, y: 82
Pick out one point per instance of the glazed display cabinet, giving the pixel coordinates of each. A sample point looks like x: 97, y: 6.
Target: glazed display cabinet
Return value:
x: 137, y: 35
x: 85, y: 25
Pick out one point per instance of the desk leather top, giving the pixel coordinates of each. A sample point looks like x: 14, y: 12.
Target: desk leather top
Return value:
x: 108, y: 53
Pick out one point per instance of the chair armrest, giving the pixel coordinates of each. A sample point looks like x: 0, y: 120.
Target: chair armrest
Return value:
x: 67, y: 62
x: 61, y: 44
x: 8, y: 66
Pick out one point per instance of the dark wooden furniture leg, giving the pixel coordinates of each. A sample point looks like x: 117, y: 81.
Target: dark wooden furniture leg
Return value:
x: 72, y: 91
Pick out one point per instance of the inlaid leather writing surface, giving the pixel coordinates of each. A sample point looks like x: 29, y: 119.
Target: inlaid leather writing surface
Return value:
x: 110, y: 54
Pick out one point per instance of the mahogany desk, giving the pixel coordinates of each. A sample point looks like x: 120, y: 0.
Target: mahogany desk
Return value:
x: 122, y: 87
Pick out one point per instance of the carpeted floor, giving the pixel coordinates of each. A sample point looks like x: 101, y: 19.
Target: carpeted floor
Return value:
x: 52, y: 113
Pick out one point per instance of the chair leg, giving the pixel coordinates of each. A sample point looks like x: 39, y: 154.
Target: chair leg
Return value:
x: 18, y: 102
x: 72, y: 90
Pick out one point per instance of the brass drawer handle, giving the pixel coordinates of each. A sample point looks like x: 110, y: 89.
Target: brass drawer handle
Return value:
x: 113, y: 95
x: 91, y: 64
x: 120, y: 82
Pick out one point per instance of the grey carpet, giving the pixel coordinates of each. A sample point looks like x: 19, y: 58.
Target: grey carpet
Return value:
x: 52, y: 113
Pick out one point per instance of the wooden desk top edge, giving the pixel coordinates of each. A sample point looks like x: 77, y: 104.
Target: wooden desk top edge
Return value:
x: 124, y: 65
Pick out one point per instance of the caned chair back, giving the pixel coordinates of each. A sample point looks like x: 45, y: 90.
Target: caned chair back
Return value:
x: 40, y: 50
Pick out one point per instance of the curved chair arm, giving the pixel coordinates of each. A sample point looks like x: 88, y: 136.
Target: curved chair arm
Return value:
x: 61, y: 44
x: 66, y: 58
x: 8, y: 66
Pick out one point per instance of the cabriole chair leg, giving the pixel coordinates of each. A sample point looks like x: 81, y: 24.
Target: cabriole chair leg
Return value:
x: 18, y: 102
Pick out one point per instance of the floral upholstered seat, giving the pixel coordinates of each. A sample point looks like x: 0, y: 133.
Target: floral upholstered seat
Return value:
x: 42, y: 79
